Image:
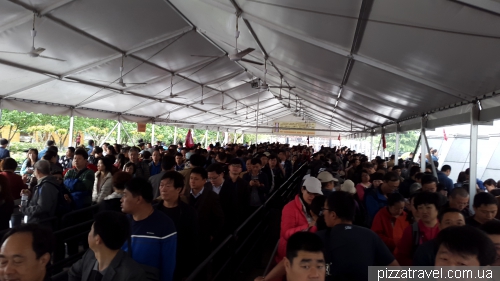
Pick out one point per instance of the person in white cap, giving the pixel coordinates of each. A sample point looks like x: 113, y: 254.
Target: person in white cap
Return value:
x: 348, y: 186
x: 296, y: 216
x: 328, y: 182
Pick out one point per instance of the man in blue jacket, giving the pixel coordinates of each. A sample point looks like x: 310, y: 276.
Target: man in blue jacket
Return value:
x: 376, y: 198
x: 154, y: 237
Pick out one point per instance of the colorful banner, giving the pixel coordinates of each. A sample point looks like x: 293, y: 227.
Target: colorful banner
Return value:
x: 295, y: 128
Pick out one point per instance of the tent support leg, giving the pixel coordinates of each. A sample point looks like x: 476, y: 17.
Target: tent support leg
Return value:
x: 71, y: 124
x: 474, y: 125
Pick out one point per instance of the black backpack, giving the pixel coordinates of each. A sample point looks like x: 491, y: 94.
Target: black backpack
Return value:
x: 63, y: 206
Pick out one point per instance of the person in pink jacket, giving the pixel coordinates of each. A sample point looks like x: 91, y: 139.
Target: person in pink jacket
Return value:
x: 296, y: 215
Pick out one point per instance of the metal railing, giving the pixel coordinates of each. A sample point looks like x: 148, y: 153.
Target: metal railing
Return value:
x: 241, y: 239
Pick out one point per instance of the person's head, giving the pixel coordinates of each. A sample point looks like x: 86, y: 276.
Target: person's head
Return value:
x: 42, y: 169
x: 198, y: 178
x: 464, y: 246
x: 377, y: 179
x: 221, y: 157
x: 348, y: 186
x: 97, y: 151
x: 427, y: 205
x: 179, y: 158
x: 137, y: 195
x: 485, y: 207
x: 50, y: 156
x: 50, y: 143
x: 282, y: 155
x: 459, y: 198
x: 129, y: 168
x: 429, y: 183
x: 235, y: 167
x: 264, y: 159
x: 120, y: 179
x: 105, y: 165
x: 168, y: 163
x: 365, y: 176
x: 91, y: 142
x: 390, y: 184
x: 32, y: 155
x: 9, y: 164
x: 133, y: 154
x: 462, y: 177
x: 310, y: 189
x: 197, y: 160
x: 395, y: 204
x: 413, y: 171
x: 492, y: 229
x: 273, y: 160
x: 156, y: 156
x: 396, y: 169
x: 25, y: 253
x: 216, y: 174
x: 4, y: 142
x: 80, y: 159
x: 171, y: 186
x: 70, y: 152
x: 450, y: 217
x: 248, y: 163
x: 110, y: 230
x: 490, y: 184
x: 327, y: 180
x: 339, y: 208
x: 304, y: 258
x: 256, y: 165
x: 446, y: 169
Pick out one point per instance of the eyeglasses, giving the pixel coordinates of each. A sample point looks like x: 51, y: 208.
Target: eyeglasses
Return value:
x: 323, y: 209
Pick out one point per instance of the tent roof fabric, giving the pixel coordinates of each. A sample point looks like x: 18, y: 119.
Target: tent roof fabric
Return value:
x: 355, y: 64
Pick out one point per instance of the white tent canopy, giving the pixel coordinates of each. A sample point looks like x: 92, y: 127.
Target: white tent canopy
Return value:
x: 355, y: 64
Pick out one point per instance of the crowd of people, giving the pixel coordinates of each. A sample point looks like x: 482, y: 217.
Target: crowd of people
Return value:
x: 162, y: 210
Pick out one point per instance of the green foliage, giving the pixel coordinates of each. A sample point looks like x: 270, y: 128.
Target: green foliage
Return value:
x: 23, y: 146
x: 407, y: 142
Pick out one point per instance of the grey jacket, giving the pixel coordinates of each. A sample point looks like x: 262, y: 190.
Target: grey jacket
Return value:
x: 122, y: 268
x: 155, y: 182
x: 43, y: 201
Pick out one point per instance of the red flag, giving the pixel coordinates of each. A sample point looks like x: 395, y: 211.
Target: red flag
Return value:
x: 189, y: 140
x: 444, y: 134
x: 383, y: 141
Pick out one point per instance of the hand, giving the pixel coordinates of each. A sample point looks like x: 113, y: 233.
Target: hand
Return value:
x: 25, y: 178
x: 29, y: 171
x: 66, y: 197
x: 260, y: 278
x: 312, y: 223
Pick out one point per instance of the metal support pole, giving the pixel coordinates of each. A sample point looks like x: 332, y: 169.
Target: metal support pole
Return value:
x: 126, y: 131
x: 119, y: 138
x: 71, y: 124
x: 434, y: 171
x: 396, y: 149
x: 423, y: 149
x: 257, y: 119
x: 218, y: 133
x: 379, y: 143
x: 206, y: 138
x: 109, y: 134
x: 474, y: 125
x: 371, y: 145
x: 416, y: 148
x: 153, y: 134
x: 234, y: 141
x: 175, y: 135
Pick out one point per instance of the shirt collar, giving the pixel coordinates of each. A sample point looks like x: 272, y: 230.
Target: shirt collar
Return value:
x: 217, y: 188
x: 199, y: 193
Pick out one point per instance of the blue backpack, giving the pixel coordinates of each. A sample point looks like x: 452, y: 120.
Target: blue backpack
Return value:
x: 78, y: 193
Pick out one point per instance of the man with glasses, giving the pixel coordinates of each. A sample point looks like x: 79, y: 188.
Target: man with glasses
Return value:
x: 234, y: 192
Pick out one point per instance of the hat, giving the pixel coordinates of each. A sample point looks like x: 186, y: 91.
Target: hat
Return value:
x: 313, y: 185
x: 326, y: 177
x: 348, y: 186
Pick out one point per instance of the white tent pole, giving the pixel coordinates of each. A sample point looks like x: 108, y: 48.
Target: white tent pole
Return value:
x: 257, y: 119
x: 371, y: 146
x: 206, y: 138
x: 234, y: 142
x: 119, y: 138
x: 126, y: 132
x: 71, y: 124
x: 396, y: 150
x: 175, y: 135
x: 474, y: 124
x: 423, y: 149
x: 109, y: 134
x: 153, y: 134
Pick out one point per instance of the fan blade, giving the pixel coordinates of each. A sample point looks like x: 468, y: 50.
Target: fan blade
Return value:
x: 251, y: 61
x: 16, y: 53
x: 136, y: 83
x: 204, y: 103
x: 245, y: 52
x: 50, y: 58
x: 38, y: 50
x: 202, y: 56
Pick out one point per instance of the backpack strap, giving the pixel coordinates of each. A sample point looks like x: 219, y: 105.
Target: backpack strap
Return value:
x: 415, y: 237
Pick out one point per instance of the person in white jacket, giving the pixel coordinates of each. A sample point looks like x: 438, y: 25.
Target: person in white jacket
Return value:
x: 103, y: 184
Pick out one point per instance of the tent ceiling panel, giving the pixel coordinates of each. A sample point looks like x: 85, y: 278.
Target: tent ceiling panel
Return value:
x: 58, y: 41
x: 307, y: 20
x: 119, y: 103
x: 13, y: 79
x: 219, y: 68
x: 161, y: 89
x: 42, y: 4
x: 433, y: 56
x: 385, y: 86
x: 234, y: 82
x: 183, y: 114
x: 134, y: 71
x: 178, y: 55
x: 10, y: 12
x: 63, y: 93
x: 152, y: 109
x: 156, y: 18
x: 353, y: 99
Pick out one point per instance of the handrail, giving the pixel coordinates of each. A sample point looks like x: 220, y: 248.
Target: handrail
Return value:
x: 288, y: 182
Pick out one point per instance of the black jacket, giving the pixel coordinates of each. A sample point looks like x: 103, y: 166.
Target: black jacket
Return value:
x: 235, y: 201
x: 187, y: 226
x: 263, y: 190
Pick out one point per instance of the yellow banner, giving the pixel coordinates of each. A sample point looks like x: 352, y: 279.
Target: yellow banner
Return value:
x: 295, y: 128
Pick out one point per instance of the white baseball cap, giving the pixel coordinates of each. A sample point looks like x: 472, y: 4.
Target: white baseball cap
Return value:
x: 313, y: 185
x: 348, y: 186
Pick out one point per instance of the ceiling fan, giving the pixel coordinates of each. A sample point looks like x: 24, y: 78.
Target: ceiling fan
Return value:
x: 235, y: 55
x: 34, y: 53
x: 202, y: 102
x: 120, y: 81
